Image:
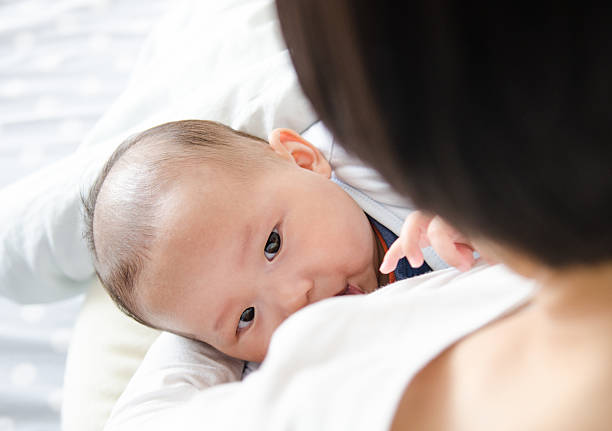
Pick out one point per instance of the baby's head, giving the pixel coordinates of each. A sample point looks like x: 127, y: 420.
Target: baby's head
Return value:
x: 213, y: 234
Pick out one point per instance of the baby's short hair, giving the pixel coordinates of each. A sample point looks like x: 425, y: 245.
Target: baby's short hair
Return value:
x: 120, y: 208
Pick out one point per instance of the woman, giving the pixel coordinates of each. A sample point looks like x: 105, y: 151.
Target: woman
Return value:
x: 499, y: 120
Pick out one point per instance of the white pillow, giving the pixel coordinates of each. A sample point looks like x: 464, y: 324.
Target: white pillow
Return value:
x: 207, y: 59
x: 97, y: 372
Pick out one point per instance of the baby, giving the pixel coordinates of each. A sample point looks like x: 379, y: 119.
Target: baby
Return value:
x: 216, y: 235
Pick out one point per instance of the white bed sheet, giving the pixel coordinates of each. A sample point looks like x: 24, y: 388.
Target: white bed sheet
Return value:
x: 62, y: 63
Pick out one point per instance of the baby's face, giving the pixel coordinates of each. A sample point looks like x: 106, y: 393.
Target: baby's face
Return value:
x: 232, y: 261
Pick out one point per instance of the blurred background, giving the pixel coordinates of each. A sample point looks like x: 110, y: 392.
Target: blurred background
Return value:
x: 62, y: 64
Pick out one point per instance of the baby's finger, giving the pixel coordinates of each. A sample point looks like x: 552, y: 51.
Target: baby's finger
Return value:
x: 409, y: 242
x: 467, y: 256
x: 393, y: 255
x: 446, y: 250
x: 442, y: 237
x: 414, y: 236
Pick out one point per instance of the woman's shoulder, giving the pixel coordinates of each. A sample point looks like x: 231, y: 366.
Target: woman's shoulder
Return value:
x: 514, y: 373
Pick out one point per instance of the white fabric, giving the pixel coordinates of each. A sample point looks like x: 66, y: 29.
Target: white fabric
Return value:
x: 106, y: 348
x: 339, y: 364
x: 222, y: 61
x: 44, y: 257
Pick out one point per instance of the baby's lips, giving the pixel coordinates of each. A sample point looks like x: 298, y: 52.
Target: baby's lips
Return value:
x: 352, y: 290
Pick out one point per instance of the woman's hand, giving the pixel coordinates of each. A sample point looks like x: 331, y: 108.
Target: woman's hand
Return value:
x: 422, y: 230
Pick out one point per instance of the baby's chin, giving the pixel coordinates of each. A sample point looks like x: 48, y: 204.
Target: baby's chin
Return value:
x: 370, y: 288
x: 372, y: 281
x: 258, y: 358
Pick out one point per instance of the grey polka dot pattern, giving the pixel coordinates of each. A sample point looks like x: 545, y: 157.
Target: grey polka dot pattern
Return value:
x: 62, y: 63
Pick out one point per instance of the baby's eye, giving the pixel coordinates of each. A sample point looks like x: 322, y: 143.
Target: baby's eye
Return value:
x: 246, y: 318
x: 272, y: 245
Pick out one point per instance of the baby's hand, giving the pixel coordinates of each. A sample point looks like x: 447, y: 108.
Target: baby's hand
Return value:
x: 422, y: 230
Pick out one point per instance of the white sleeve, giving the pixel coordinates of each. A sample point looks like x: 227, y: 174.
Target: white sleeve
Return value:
x: 44, y: 257
x: 173, y: 371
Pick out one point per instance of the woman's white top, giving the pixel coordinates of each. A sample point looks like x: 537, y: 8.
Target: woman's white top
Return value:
x: 339, y: 364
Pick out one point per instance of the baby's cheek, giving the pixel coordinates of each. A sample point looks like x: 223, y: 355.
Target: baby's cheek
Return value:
x: 358, y: 254
x: 257, y: 346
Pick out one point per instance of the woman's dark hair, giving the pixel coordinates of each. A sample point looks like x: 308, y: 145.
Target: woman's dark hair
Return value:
x: 496, y: 116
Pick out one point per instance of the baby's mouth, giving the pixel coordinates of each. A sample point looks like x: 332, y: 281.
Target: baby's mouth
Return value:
x: 350, y: 290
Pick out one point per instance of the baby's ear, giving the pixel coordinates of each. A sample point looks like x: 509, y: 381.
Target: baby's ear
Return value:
x: 291, y: 146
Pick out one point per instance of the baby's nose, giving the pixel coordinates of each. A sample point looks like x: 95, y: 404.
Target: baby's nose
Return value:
x: 293, y: 296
